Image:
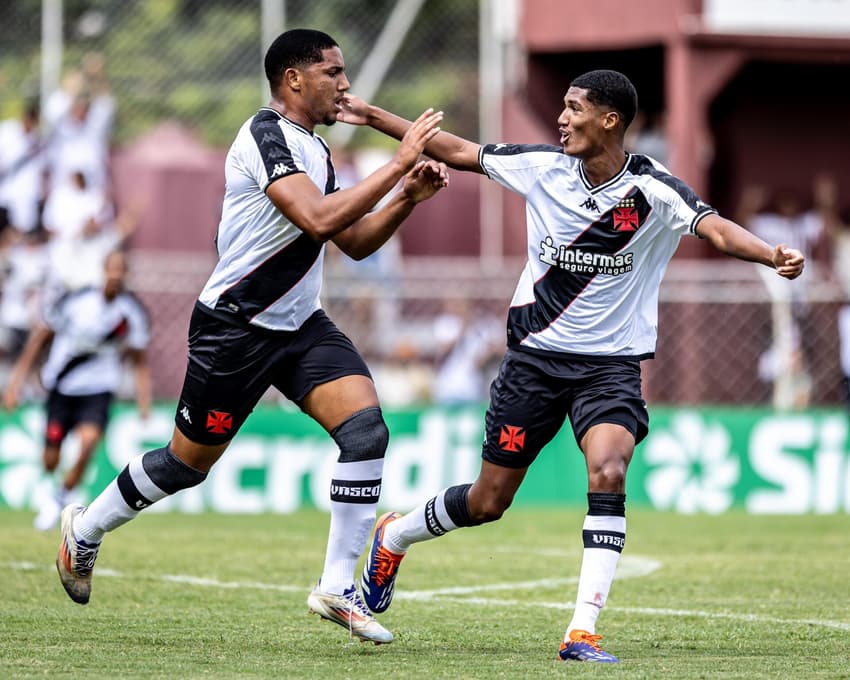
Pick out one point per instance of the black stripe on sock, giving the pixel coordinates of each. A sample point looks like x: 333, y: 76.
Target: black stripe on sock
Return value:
x: 608, y: 540
x: 131, y: 494
x: 608, y: 504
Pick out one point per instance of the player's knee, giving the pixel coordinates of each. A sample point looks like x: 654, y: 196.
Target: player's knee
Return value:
x: 609, y: 475
x: 488, y: 506
x: 363, y: 436
x: 50, y: 459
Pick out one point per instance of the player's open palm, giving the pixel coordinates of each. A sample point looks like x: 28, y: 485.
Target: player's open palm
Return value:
x: 425, y: 180
x: 417, y: 136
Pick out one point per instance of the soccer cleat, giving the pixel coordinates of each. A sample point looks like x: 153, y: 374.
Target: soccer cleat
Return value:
x: 76, y: 558
x: 580, y: 645
x: 381, y: 568
x: 349, y: 611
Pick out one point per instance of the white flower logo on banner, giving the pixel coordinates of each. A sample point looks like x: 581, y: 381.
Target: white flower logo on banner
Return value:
x: 694, y: 469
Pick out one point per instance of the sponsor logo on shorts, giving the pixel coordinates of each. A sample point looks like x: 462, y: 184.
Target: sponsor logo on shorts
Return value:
x: 512, y: 438
x: 219, y: 422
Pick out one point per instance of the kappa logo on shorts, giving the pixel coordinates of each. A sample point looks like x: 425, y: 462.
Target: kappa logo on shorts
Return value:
x: 219, y: 422
x: 512, y: 438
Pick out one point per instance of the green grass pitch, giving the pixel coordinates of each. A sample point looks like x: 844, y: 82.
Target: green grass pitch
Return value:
x: 211, y: 596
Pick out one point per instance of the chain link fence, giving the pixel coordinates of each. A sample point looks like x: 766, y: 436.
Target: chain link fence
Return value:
x: 199, y: 62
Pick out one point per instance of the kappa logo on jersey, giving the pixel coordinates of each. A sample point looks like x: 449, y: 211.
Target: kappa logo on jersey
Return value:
x: 185, y: 413
x: 590, y: 204
x: 626, y: 216
x: 280, y: 169
x: 219, y: 422
x: 512, y: 438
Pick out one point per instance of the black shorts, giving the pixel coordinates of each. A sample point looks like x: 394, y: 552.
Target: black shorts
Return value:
x: 533, y: 395
x: 65, y: 412
x: 231, y: 367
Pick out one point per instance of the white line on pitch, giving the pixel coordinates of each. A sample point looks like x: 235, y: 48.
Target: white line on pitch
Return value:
x: 652, y: 611
x: 444, y: 594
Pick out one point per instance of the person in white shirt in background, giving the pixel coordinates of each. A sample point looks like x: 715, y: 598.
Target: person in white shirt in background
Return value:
x: 90, y: 332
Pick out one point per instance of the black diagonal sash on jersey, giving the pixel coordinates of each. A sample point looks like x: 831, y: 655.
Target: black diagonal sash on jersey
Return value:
x: 261, y: 287
x: 558, y: 288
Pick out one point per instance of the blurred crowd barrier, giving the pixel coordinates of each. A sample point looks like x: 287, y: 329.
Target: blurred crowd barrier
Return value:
x: 714, y: 343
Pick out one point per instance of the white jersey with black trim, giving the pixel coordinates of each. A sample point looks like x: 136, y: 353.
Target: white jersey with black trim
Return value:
x: 90, y: 336
x: 596, y: 254
x: 269, y: 272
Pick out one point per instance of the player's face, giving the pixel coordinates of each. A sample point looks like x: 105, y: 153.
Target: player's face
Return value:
x: 581, y: 124
x: 325, y: 83
x: 114, y: 273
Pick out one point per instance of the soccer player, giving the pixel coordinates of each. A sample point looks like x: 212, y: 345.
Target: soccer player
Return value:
x: 602, y: 225
x: 258, y: 321
x: 89, y: 331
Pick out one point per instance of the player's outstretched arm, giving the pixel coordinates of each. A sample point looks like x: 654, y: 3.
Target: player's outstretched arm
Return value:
x: 454, y: 151
x: 733, y: 239
x: 36, y: 341
x: 324, y: 216
x: 371, y: 232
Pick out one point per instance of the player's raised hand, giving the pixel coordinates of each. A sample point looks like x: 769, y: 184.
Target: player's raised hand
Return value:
x: 417, y: 136
x: 425, y: 180
x: 788, y: 262
x: 353, y: 110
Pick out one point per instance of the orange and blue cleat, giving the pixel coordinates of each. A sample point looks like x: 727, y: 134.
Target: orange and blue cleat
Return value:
x: 381, y: 568
x: 579, y: 645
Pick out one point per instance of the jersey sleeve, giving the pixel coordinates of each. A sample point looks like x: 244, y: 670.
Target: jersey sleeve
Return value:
x: 679, y: 206
x: 139, y: 331
x: 517, y: 166
x: 277, y: 156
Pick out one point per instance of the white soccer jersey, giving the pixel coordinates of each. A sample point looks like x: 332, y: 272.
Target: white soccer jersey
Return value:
x: 269, y: 272
x: 596, y: 254
x: 91, y: 334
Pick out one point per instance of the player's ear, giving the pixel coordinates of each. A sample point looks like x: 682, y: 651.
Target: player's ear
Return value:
x: 611, y: 120
x: 292, y: 78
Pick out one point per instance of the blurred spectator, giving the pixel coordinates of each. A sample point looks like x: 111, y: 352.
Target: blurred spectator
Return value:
x: 404, y: 378
x: 466, y: 344
x: 20, y: 304
x: 21, y: 171
x: 83, y: 231
x: 373, y: 310
x: 81, y: 116
x: 782, y: 218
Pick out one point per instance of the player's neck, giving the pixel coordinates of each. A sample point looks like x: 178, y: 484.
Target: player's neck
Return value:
x: 603, y: 166
x: 291, y: 113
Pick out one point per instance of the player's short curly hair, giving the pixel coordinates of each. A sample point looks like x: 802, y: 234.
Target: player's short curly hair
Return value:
x: 610, y: 88
x: 294, y: 48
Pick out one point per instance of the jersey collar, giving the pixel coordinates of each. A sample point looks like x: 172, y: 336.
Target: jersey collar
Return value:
x: 601, y: 187
x: 297, y: 126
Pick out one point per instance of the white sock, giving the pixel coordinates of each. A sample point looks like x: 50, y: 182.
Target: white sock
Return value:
x: 355, y: 490
x: 604, y: 537
x: 427, y: 521
x: 110, y: 509
x: 106, y: 512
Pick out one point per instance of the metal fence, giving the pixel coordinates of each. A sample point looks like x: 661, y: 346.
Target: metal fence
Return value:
x: 716, y: 342
x: 199, y: 62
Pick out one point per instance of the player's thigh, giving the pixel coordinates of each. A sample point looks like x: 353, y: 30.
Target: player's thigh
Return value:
x: 609, y: 393
x: 229, y: 368
x: 327, y: 379
x: 526, y: 410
